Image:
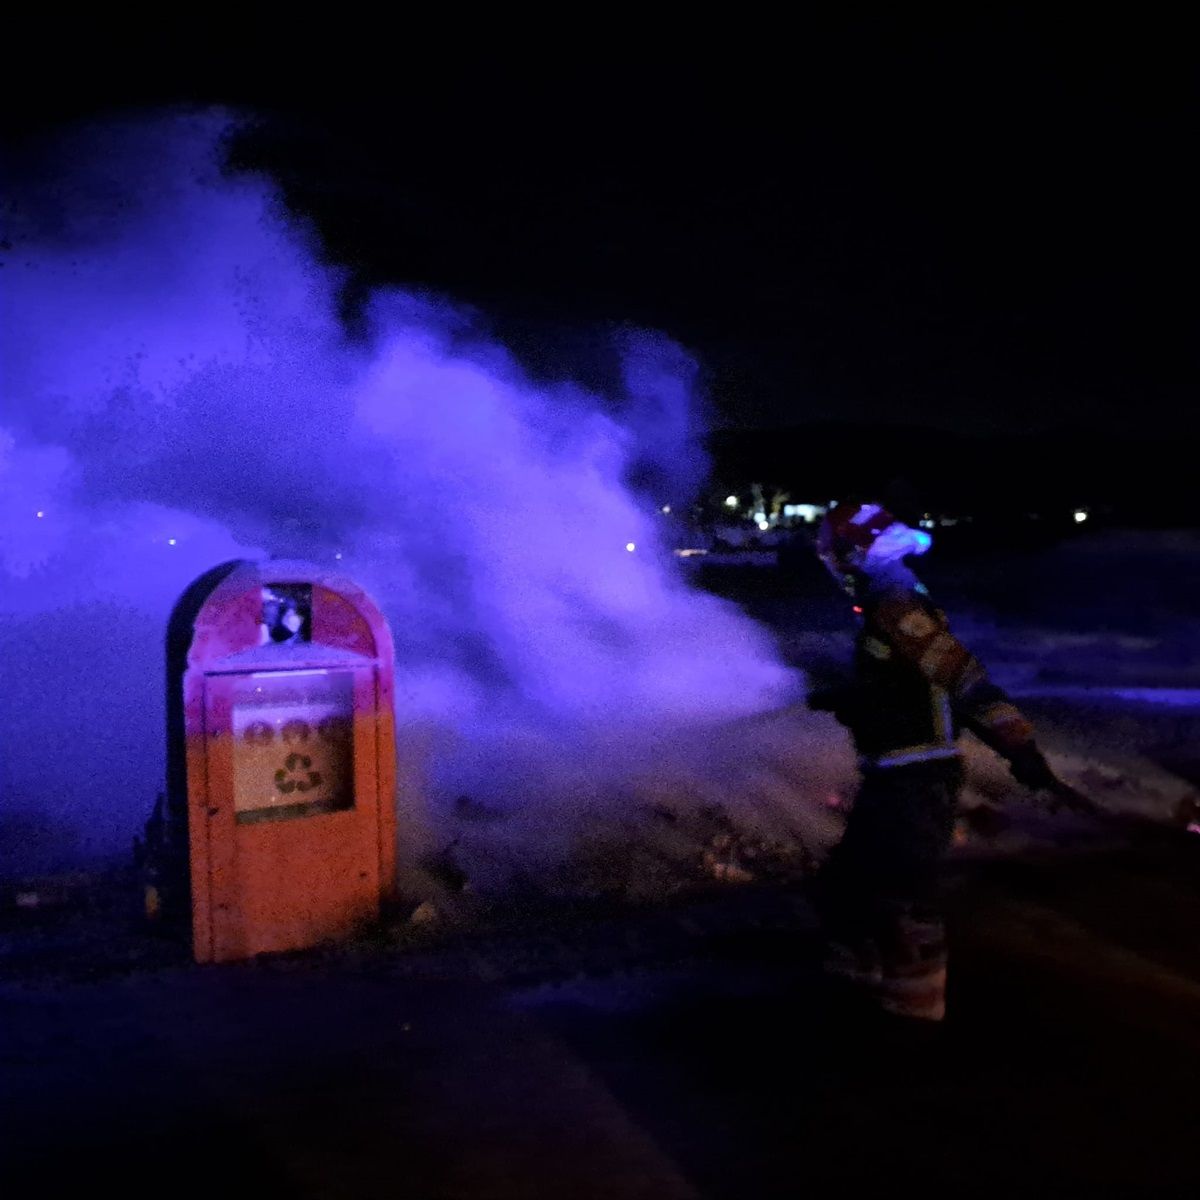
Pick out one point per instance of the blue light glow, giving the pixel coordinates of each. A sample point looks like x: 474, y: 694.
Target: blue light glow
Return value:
x: 896, y: 542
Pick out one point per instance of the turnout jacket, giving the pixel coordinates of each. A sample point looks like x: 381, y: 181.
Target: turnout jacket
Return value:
x: 916, y: 686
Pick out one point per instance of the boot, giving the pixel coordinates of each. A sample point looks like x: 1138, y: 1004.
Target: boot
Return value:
x: 913, y: 983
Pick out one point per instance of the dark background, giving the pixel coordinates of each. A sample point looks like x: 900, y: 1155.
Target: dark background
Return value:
x: 954, y: 260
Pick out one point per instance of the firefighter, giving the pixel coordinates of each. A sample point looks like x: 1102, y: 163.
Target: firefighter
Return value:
x: 914, y: 687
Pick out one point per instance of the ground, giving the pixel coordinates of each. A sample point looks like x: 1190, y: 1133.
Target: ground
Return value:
x: 605, y: 1049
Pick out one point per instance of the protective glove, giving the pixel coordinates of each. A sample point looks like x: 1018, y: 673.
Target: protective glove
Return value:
x: 1030, y: 768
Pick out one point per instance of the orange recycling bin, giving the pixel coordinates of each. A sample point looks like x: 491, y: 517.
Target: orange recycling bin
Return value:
x: 291, y: 761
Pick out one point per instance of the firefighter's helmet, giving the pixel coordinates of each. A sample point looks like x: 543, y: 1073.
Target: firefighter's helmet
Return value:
x: 856, y: 536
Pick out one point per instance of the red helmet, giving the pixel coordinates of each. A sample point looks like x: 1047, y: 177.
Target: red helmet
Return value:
x: 848, y: 532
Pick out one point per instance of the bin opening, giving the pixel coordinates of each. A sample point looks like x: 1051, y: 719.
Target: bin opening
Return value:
x: 286, y: 613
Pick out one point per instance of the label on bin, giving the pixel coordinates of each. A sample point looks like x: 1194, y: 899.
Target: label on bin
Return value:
x: 293, y: 752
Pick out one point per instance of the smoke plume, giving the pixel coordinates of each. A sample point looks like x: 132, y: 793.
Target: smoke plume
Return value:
x: 179, y: 391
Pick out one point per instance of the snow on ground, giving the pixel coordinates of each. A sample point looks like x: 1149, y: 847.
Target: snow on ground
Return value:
x: 1098, y: 640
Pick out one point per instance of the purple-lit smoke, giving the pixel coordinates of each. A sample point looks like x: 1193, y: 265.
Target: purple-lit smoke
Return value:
x: 178, y: 391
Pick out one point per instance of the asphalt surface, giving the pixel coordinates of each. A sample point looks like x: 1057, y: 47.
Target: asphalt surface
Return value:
x: 683, y: 1049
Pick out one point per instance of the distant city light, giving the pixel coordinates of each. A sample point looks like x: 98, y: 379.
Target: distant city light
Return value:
x: 1080, y: 515
x: 763, y: 523
x: 630, y: 546
x: 806, y: 512
x: 666, y: 508
x: 731, y: 502
x: 689, y: 552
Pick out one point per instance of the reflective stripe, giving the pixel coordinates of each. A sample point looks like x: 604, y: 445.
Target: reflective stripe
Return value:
x: 912, y: 754
x: 973, y: 673
x: 937, y: 652
x: 1002, y: 714
x: 876, y: 648
x: 916, y: 624
x: 865, y: 513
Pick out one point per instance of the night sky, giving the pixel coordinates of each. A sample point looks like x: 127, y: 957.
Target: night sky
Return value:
x: 984, y: 229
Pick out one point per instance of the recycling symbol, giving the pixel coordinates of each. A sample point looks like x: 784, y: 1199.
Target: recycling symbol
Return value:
x: 284, y: 780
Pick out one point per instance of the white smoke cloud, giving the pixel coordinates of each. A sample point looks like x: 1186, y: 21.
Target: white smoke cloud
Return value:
x: 179, y: 391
